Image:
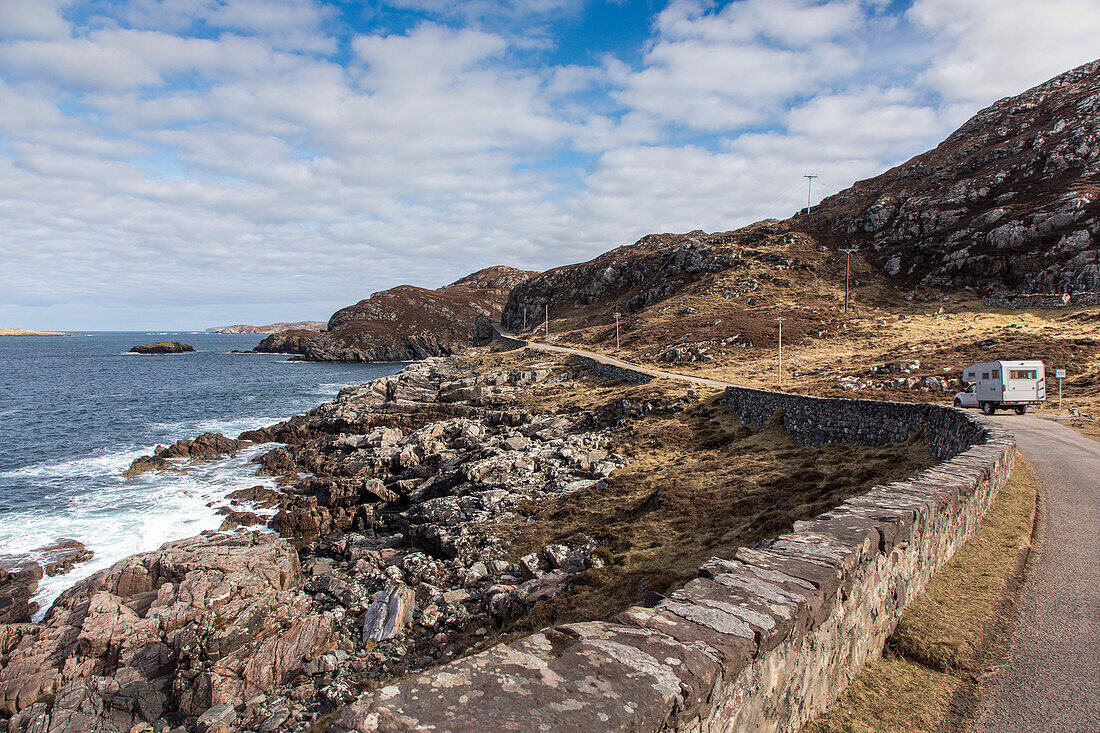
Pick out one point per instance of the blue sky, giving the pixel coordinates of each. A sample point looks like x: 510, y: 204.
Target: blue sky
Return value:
x: 191, y: 163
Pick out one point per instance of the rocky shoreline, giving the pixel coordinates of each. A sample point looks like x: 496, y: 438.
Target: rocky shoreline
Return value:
x: 387, y: 561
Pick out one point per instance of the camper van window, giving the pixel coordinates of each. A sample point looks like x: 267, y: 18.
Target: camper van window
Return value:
x: 985, y: 375
x: 996, y: 373
x: 1022, y: 374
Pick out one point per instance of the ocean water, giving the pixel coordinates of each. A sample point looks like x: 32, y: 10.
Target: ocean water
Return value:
x: 76, y: 410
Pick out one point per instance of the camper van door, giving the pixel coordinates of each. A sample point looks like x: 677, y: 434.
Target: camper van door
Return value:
x: 990, y: 382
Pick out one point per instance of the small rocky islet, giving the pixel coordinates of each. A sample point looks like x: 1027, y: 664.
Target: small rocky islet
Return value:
x: 163, y: 347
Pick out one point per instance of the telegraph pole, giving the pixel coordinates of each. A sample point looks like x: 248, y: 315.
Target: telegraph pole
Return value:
x: 780, y: 351
x: 617, y: 314
x: 546, y: 320
x: 847, y: 272
x: 525, y: 319
x: 809, y: 183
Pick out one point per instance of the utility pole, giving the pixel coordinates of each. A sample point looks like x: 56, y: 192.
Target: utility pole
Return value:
x: 617, y: 314
x: 525, y: 319
x: 546, y: 320
x: 780, y: 351
x: 847, y: 272
x: 809, y: 183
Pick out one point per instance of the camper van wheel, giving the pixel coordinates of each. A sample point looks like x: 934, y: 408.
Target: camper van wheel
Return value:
x: 958, y: 402
x: 989, y: 408
x: 1021, y: 409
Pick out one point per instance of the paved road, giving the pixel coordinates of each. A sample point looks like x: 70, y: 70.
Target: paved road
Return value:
x: 1051, y: 681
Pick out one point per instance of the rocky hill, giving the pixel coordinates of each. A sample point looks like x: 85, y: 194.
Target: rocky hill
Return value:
x: 270, y: 328
x: 1010, y: 201
x: 406, y: 322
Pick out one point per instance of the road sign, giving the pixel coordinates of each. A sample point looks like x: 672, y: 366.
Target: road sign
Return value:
x: 1059, y: 373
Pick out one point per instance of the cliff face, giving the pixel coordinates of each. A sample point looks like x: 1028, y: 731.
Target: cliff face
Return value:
x: 406, y: 322
x: 1010, y: 201
x: 271, y: 327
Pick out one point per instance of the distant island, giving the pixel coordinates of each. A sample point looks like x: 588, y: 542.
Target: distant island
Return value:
x: 25, y: 332
x: 270, y: 328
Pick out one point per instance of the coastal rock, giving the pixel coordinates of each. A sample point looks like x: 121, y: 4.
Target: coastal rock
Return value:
x: 207, y: 446
x: 162, y: 347
x: 406, y: 322
x: 59, y: 557
x: 165, y: 630
x: 17, y: 585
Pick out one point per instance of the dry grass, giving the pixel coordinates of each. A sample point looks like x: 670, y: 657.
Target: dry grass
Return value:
x: 949, y: 636
x: 698, y: 484
x: 1088, y: 428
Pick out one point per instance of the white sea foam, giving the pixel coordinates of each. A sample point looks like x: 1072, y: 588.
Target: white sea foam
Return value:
x: 120, y: 517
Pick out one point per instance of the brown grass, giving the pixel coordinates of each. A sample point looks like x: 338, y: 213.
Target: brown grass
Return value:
x: 951, y: 635
x: 698, y: 484
x: 1088, y: 428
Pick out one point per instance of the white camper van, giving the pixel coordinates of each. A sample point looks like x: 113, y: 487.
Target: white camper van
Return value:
x: 1003, y: 385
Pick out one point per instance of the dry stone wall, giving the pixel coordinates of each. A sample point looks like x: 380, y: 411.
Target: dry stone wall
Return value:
x: 758, y: 642
x: 609, y: 371
x: 1048, y: 301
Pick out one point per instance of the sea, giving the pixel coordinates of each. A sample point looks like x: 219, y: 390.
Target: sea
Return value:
x: 76, y: 410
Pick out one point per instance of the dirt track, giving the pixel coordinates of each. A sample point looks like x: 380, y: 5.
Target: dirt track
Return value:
x: 1051, y: 681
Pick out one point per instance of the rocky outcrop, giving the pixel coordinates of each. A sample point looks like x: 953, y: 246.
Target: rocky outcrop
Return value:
x: 758, y: 642
x: 634, y: 277
x: 1009, y: 202
x: 20, y: 575
x: 271, y: 327
x: 165, y: 636
x: 18, y: 585
x: 406, y: 323
x: 162, y: 347
x: 207, y: 446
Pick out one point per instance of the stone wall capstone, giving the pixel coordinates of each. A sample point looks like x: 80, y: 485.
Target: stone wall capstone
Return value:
x: 760, y: 641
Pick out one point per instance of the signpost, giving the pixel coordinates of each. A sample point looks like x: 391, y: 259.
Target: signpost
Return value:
x: 1060, y: 374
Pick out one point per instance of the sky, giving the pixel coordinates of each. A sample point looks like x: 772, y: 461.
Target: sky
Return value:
x: 183, y: 164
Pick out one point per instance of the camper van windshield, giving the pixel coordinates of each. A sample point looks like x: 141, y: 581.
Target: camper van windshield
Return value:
x: 1022, y: 374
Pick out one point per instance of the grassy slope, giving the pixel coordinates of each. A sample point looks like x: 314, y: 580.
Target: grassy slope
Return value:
x: 948, y: 639
x: 697, y: 484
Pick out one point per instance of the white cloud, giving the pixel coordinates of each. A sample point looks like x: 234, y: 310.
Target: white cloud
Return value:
x: 187, y: 156
x: 33, y: 19
x: 988, y: 49
x: 720, y: 70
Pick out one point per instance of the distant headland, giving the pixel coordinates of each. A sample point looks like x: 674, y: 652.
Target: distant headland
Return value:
x: 270, y: 328
x: 25, y: 332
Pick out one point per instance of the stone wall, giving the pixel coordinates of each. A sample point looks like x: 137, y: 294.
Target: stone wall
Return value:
x: 818, y: 421
x: 758, y: 642
x: 1047, y: 301
x: 609, y: 371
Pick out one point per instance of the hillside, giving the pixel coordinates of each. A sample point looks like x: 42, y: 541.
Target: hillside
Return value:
x: 406, y: 322
x: 1009, y: 202
x: 270, y: 328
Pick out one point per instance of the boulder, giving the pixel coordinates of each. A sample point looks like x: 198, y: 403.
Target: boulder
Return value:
x: 389, y: 614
